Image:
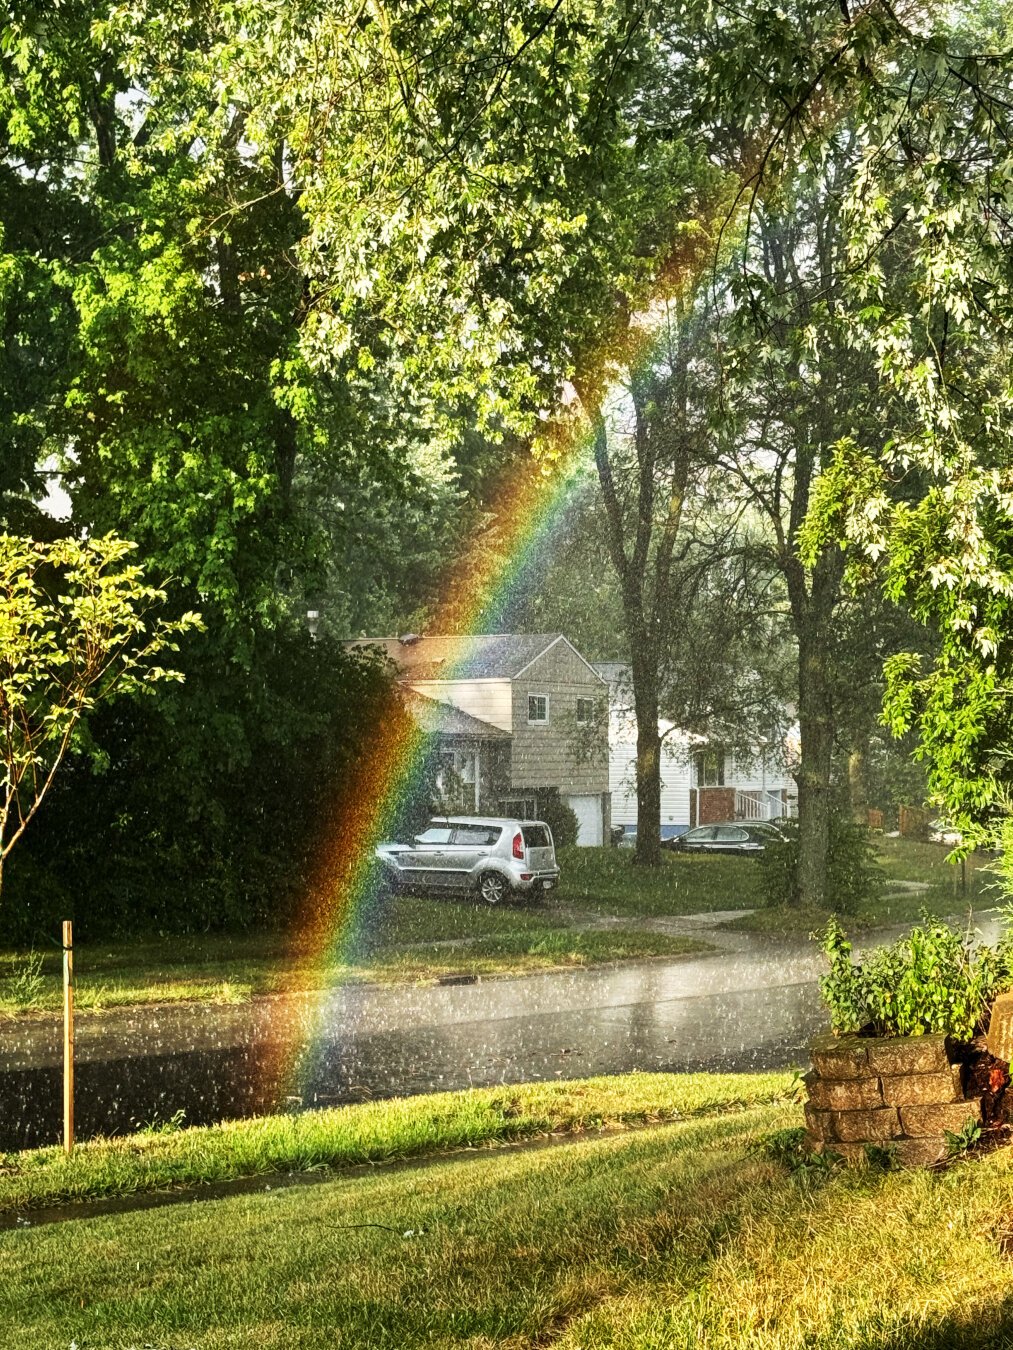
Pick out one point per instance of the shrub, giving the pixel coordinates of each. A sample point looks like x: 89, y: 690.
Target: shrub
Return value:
x: 853, y: 874
x: 932, y: 980
x: 559, y: 817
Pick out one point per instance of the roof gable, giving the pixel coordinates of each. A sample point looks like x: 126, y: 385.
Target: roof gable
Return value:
x: 562, y: 647
x: 486, y: 656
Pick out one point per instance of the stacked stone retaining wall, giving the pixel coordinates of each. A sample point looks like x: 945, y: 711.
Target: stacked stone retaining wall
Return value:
x: 903, y: 1093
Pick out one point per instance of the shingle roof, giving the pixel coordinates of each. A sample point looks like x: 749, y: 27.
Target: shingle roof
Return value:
x: 494, y: 656
x: 443, y: 719
x: 613, y: 672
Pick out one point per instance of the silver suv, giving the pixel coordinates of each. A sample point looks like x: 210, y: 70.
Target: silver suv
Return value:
x: 492, y: 856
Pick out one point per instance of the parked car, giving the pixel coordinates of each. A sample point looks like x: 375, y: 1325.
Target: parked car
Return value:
x: 627, y: 836
x: 491, y: 856
x: 748, y: 837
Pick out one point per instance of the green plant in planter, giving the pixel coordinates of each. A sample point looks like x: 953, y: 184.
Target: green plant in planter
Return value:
x: 932, y: 980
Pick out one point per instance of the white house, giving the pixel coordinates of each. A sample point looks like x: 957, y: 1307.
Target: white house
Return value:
x: 700, y: 782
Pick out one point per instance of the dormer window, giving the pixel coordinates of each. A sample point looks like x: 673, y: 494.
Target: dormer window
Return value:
x: 538, y: 709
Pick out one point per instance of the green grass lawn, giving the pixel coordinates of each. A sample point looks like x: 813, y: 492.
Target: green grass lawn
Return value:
x: 950, y: 892
x: 951, y: 886
x: 371, y: 1132
x: 607, y: 881
x: 405, y: 944
x: 670, y: 1238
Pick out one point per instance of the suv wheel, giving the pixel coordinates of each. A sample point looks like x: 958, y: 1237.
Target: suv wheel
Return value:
x: 493, y: 888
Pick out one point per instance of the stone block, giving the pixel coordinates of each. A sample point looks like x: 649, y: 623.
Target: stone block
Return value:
x: 922, y: 1089
x: 843, y: 1094
x: 920, y: 1152
x: 1000, y: 1029
x: 840, y: 1056
x: 820, y: 1124
x: 891, y: 1056
x: 860, y: 1126
x: 922, y: 1121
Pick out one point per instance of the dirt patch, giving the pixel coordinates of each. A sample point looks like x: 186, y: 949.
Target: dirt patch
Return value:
x: 988, y: 1078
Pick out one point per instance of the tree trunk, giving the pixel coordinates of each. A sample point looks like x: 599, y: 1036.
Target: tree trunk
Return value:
x: 645, y: 702
x: 816, y: 729
x: 858, y: 780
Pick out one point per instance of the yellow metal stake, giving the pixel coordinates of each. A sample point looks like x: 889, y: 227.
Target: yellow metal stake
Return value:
x: 68, y: 1036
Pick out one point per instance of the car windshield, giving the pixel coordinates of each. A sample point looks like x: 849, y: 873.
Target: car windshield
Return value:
x: 535, y: 836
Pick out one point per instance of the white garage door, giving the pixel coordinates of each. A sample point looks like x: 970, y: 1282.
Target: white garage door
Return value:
x: 589, y: 824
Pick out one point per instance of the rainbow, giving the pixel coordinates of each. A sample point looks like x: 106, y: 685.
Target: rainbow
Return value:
x: 497, y: 567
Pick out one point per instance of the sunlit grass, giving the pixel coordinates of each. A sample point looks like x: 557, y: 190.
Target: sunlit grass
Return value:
x: 559, y: 949
x: 670, y: 1238
x: 371, y: 1132
x: 895, y: 910
x: 942, y: 892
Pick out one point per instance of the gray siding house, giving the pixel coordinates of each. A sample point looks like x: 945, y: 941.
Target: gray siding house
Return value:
x: 515, y: 716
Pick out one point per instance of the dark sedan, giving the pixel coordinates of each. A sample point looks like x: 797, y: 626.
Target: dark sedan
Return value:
x: 748, y: 837
x: 626, y: 836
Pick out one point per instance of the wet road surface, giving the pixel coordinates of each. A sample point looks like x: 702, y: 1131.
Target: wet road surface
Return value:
x: 751, y: 1004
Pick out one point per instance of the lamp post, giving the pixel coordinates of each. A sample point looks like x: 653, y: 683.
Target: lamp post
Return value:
x: 313, y: 621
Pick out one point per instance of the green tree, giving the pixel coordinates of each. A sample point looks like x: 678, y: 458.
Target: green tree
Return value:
x: 929, y: 294
x: 76, y: 628
x: 795, y: 383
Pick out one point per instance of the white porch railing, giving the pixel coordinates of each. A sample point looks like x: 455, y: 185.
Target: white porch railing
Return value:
x: 756, y: 804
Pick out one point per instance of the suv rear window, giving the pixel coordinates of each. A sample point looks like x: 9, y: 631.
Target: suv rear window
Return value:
x: 476, y: 834
x: 536, y: 836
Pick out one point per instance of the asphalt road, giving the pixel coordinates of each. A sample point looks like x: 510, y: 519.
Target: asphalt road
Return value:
x: 751, y: 1004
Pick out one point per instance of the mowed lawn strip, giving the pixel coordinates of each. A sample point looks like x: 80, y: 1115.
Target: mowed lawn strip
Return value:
x: 371, y: 1132
x: 607, y: 881
x: 415, y: 938
x: 675, y: 1237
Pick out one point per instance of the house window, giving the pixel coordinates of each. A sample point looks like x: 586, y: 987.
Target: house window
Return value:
x: 585, y: 710
x: 518, y: 808
x: 710, y: 768
x: 538, y: 709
